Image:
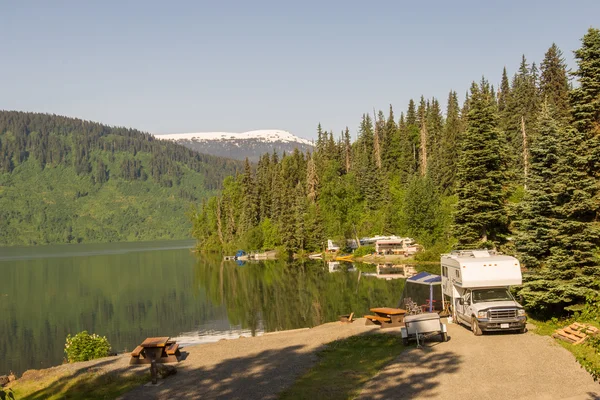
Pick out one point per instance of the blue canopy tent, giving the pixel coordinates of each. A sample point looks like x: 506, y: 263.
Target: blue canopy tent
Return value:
x: 424, y: 288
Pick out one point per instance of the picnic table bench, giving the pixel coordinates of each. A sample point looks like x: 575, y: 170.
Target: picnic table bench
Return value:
x: 155, y: 350
x: 386, y: 317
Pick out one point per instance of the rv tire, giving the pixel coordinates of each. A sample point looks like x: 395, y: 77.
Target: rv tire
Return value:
x: 475, y: 327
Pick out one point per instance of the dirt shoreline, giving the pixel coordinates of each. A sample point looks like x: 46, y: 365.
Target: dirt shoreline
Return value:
x: 247, y: 367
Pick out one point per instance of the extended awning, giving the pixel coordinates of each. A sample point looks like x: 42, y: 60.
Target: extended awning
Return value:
x: 420, y: 289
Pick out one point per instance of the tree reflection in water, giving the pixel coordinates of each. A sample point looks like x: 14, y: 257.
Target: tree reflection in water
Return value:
x: 289, y: 295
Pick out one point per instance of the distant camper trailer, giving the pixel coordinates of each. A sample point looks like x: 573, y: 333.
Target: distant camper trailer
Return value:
x: 332, y: 247
x: 402, y: 246
x: 389, y: 246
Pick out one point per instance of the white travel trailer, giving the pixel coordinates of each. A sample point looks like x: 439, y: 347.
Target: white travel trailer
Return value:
x: 476, y: 285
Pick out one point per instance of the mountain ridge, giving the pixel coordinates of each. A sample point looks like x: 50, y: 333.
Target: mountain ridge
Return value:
x: 67, y: 180
x: 238, y: 146
x: 269, y: 135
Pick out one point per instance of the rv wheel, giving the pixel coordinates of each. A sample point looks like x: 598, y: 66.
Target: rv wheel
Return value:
x: 475, y: 327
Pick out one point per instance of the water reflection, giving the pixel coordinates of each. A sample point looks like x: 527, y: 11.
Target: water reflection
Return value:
x: 290, y: 295
x: 129, y: 295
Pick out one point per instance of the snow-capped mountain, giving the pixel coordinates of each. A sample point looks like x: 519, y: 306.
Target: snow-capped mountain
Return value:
x: 238, y: 146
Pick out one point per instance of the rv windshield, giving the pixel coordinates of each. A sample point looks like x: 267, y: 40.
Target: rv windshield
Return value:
x: 496, y: 294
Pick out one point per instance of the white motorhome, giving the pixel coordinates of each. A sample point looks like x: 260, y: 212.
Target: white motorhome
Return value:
x: 476, y: 285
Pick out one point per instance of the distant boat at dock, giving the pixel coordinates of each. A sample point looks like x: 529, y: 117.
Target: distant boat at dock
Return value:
x: 267, y: 255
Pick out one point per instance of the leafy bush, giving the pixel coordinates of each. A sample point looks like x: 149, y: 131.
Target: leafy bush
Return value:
x: 589, y: 356
x: 591, y: 310
x: 364, y: 250
x: 433, y: 252
x: 590, y: 360
x: 84, y: 347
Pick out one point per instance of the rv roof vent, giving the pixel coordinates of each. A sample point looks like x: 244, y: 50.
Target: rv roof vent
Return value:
x: 480, y: 253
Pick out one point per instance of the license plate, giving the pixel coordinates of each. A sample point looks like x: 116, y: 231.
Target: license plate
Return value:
x: 504, y: 326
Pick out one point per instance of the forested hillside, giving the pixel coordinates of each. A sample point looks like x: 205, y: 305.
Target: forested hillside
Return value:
x: 64, y: 180
x: 514, y: 167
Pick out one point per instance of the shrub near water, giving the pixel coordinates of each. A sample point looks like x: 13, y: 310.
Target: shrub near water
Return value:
x: 84, y: 347
x: 363, y: 251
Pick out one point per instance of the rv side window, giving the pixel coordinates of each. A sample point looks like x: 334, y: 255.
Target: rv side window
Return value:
x: 445, y: 271
x: 468, y: 298
x: 457, y: 272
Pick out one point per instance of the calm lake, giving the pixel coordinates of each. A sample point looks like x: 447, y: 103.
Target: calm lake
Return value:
x: 130, y: 291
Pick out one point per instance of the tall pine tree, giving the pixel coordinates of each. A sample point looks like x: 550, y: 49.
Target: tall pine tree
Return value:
x: 554, y: 84
x: 481, y: 214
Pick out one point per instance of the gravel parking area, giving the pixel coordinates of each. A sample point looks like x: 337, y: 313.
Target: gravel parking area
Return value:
x: 247, y: 368
x: 492, y: 366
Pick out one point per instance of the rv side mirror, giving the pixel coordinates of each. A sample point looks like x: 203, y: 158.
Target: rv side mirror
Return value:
x: 461, y: 301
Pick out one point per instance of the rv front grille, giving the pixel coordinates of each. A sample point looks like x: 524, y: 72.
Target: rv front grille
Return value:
x: 503, y: 314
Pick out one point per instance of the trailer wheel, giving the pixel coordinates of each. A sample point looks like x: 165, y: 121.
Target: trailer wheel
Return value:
x: 405, y: 341
x: 475, y: 327
x: 444, y: 336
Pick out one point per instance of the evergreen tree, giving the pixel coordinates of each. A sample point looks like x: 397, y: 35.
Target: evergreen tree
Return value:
x: 503, y: 94
x: 420, y: 211
x: 409, y: 137
x: 392, y: 150
x: 379, y: 139
x: 347, y: 150
x: 585, y: 99
x: 366, y: 168
x: 521, y: 109
x: 538, y: 214
x: 570, y: 272
x: 554, y: 84
x: 298, y: 239
x: 264, y: 177
x: 481, y: 214
x: 321, y: 138
x: 250, y: 204
x: 315, y: 235
x: 435, y: 127
x: 312, y: 180
x: 422, y: 122
x: 450, y: 145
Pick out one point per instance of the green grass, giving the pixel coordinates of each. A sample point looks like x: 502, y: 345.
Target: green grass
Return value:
x: 586, y: 354
x: 84, y: 386
x: 345, y: 366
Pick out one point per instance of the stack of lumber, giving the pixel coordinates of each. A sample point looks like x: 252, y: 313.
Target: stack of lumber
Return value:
x: 576, y: 333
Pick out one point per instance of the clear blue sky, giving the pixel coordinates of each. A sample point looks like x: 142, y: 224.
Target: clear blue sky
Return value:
x: 185, y: 66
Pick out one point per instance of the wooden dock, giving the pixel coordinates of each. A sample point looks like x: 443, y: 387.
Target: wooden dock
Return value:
x: 267, y: 255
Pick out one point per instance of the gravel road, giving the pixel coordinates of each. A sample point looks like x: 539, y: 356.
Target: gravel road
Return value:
x: 492, y: 366
x: 247, y: 368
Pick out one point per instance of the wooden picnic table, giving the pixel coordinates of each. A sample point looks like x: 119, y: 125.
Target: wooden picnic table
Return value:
x: 388, y: 311
x: 155, y: 350
x: 386, y: 317
x: 155, y: 342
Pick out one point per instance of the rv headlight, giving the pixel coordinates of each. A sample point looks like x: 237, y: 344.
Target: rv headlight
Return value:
x: 481, y: 314
x: 521, y: 312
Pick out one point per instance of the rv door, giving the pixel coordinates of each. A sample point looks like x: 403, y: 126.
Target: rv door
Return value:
x: 463, y: 306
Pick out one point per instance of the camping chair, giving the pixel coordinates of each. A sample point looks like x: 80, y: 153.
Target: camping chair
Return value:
x: 412, y: 308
